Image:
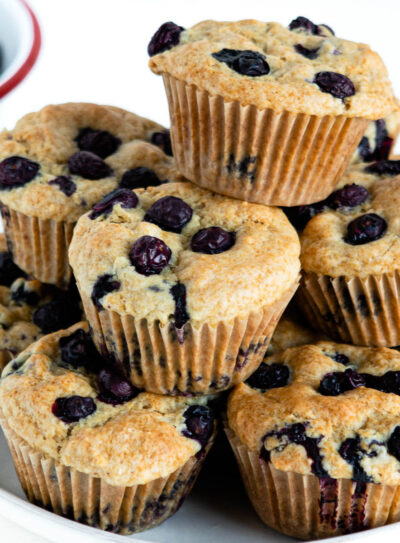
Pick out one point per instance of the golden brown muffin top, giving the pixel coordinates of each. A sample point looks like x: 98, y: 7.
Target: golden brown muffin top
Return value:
x: 284, y: 71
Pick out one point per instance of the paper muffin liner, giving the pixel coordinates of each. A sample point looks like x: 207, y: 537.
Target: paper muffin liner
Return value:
x: 307, y: 507
x: 281, y: 159
x: 362, y: 311
x: 5, y: 357
x: 39, y: 247
x: 192, y: 360
x: 90, y: 500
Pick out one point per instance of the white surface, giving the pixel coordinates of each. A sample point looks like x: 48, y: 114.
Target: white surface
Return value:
x: 95, y: 50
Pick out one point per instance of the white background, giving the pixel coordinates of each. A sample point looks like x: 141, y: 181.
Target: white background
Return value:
x: 95, y: 50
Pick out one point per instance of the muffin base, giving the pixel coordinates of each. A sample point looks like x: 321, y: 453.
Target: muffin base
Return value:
x: 39, y: 247
x: 280, y: 159
x: 5, y: 357
x: 307, y: 507
x: 361, y: 311
x: 192, y: 360
x: 90, y: 500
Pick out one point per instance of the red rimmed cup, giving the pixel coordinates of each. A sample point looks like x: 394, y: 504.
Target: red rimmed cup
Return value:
x: 20, y: 42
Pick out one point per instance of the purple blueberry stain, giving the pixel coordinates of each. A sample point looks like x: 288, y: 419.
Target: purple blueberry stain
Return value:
x: 365, y: 229
x: 350, y: 450
x: 169, y: 213
x: 311, y: 54
x: 335, y: 84
x: 140, y: 177
x: 65, y: 184
x: 393, y: 444
x: 166, y: 37
x: 149, y: 255
x: 200, y: 422
x: 73, y: 408
x: 17, y: 171
x: 99, y: 142
x: 126, y: 198
x: 104, y: 284
x: 269, y: 376
x: 113, y: 388
x: 335, y: 383
x: 212, y: 240
x: 181, y: 316
x: 163, y: 140
x: 384, y: 167
x: 88, y: 165
x: 244, y: 62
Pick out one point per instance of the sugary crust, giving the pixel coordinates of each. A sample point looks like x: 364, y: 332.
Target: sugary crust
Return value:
x: 323, y: 249
x: 255, y: 272
x: 48, y: 137
x: 370, y: 414
x: 289, y: 84
x: 128, y: 444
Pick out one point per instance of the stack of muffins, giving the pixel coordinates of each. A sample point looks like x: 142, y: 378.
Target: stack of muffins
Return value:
x: 184, y: 266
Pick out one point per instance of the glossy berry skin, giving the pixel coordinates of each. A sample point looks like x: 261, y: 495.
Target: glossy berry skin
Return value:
x: 337, y: 85
x: 73, y: 408
x: 304, y: 24
x: 166, y: 37
x: 169, y: 213
x: 384, y: 167
x: 139, y: 177
x: 364, y: 229
x: 113, y: 388
x: 9, y: 271
x: 200, y: 421
x: 149, y: 255
x: 56, y: 315
x: 335, y: 383
x: 65, y: 184
x: 99, y: 142
x: 16, y: 171
x: 311, y: 54
x: 393, y: 444
x: 212, y: 240
x: 103, y: 285
x: 269, y: 376
x: 389, y: 382
x: 78, y: 350
x: 163, y: 140
x: 88, y: 165
x: 250, y: 63
x: 348, y: 196
x: 125, y: 197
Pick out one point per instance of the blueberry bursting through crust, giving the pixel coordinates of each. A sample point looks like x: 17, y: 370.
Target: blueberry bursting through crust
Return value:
x: 250, y: 63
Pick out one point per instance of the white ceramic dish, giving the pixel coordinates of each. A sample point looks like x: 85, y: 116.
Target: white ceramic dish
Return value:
x: 217, y: 511
x: 20, y: 42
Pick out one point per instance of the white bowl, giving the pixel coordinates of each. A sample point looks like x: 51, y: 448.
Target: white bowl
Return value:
x: 19, y: 42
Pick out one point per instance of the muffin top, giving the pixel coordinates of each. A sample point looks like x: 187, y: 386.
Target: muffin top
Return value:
x: 290, y: 333
x: 178, y: 251
x: 328, y: 409
x: 357, y: 232
x: 303, y: 69
x: 28, y: 308
x: 56, y: 163
x: 378, y: 140
x: 60, y: 396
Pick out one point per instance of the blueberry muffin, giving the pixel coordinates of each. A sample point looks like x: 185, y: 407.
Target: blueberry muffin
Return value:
x: 88, y: 445
x: 318, y: 453
x: 183, y: 287
x: 265, y: 113
x: 379, y: 139
x: 290, y: 333
x: 28, y: 308
x: 350, y: 257
x: 56, y: 163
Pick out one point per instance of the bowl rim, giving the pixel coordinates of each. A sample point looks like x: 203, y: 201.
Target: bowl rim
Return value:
x: 22, y: 70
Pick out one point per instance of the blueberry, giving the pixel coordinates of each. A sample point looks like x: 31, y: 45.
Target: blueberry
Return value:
x: 304, y: 24
x: 341, y: 358
x: 88, y: 165
x: 269, y: 376
x: 181, y: 315
x: 65, y: 184
x: 212, y: 240
x: 388, y: 382
x: 149, y: 255
x: 163, y: 140
x: 16, y: 171
x: 169, y: 213
x: 9, y: 271
x: 99, y: 142
x: 300, y: 215
x: 335, y: 383
x: 140, y: 177
x: 338, y: 85
x: 166, y: 37
x: 73, y: 408
x: 251, y: 63
x: 393, y: 444
x: 384, y: 167
x: 78, y: 350
x: 200, y: 421
x: 103, y: 285
x: 348, y: 196
x: 20, y: 294
x: 125, y: 197
x: 114, y: 389
x: 311, y: 54
x: 56, y: 315
x: 364, y: 229
x: 350, y: 450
